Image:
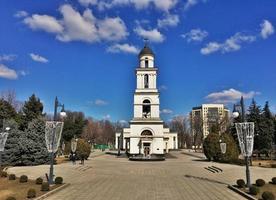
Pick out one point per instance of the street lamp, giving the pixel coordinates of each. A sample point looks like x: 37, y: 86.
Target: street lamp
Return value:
x: 53, y: 132
x: 3, y: 139
x: 74, y: 144
x: 245, y: 132
x: 222, y: 146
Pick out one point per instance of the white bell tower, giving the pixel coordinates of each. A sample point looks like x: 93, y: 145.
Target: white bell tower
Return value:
x: 146, y: 97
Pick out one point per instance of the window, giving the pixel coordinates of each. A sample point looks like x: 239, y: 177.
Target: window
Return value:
x: 146, y: 81
x: 146, y: 108
x: 146, y: 133
x: 146, y: 63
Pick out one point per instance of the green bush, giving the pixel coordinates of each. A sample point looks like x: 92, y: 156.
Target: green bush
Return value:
x: 39, y: 181
x: 260, y: 182
x: 268, y: 196
x: 58, y: 180
x: 240, y: 183
x: 45, y: 187
x: 4, y: 174
x: 254, y: 190
x: 10, y: 198
x: 12, y: 177
x: 212, y: 151
x: 23, y: 179
x: 83, y: 149
x: 31, y: 193
x: 273, y: 180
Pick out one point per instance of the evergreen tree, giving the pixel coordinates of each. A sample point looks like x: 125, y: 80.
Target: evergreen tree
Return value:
x: 6, y: 111
x: 26, y: 148
x: 266, y: 129
x: 32, y: 109
x: 254, y: 115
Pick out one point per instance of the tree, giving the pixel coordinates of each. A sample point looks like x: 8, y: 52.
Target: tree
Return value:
x: 179, y: 124
x: 26, y: 148
x: 254, y: 115
x: 73, y: 125
x: 197, y: 131
x: 266, y: 133
x: 6, y: 111
x: 10, y: 96
x: 32, y: 109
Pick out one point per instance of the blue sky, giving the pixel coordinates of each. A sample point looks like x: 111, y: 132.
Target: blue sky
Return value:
x: 85, y: 52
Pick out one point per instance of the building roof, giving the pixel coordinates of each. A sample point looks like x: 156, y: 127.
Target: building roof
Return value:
x: 146, y: 51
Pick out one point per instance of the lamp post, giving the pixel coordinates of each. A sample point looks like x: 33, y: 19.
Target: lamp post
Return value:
x: 53, y: 132
x: 222, y: 146
x: 245, y: 132
x: 3, y: 139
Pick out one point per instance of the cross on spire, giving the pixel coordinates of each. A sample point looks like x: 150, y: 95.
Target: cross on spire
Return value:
x: 146, y: 40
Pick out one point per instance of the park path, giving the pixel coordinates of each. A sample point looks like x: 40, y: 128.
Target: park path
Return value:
x: 107, y: 177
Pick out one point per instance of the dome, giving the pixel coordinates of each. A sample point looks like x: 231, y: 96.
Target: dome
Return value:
x: 146, y: 51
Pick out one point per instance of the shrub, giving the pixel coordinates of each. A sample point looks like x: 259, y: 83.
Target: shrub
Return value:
x: 39, y: 181
x: 4, y: 174
x: 268, y: 196
x: 241, y: 183
x: 45, y: 187
x: 12, y: 177
x: 260, y: 182
x: 273, y: 180
x: 273, y: 165
x: 58, y: 180
x: 83, y: 149
x: 23, y: 179
x: 31, y: 193
x: 10, y: 198
x: 212, y: 151
x: 254, y: 190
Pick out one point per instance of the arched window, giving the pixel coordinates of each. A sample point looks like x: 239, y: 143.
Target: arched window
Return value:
x: 146, y: 81
x: 146, y: 133
x: 146, y: 63
x: 146, y: 108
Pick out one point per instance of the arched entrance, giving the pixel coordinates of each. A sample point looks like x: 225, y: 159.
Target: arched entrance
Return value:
x: 146, y: 139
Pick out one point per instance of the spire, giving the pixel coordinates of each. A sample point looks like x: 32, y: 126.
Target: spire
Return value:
x: 146, y: 50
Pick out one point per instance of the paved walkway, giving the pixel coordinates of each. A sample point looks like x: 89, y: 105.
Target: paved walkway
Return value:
x: 107, y: 177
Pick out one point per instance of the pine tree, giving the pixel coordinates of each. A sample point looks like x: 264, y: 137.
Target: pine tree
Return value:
x: 254, y: 115
x: 6, y: 111
x: 266, y: 129
x: 32, y: 109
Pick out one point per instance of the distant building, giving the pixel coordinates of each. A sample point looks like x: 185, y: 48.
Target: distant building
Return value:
x: 207, y: 115
x: 146, y: 135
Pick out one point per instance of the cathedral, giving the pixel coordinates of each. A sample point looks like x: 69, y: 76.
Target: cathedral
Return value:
x: 146, y: 137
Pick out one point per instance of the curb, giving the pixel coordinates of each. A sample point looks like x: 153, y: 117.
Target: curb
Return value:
x: 52, y: 192
x: 247, y: 196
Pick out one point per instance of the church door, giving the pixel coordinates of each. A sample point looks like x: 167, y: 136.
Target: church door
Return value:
x: 146, y: 149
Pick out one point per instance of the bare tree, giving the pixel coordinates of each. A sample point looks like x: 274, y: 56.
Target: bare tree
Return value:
x: 197, y: 131
x: 179, y: 124
x: 10, y: 96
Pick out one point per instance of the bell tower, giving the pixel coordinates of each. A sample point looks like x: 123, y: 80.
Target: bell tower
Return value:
x: 146, y: 97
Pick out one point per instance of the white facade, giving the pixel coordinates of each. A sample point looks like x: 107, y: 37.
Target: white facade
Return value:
x: 146, y: 134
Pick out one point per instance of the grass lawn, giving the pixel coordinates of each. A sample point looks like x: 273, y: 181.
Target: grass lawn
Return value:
x: 19, y: 190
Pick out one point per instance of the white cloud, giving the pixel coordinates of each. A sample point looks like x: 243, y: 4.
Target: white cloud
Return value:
x: 190, y: 3
x: 267, y: 29
x: 107, y: 117
x: 23, y: 73
x: 21, y: 13
x: 166, y: 111
x: 75, y: 26
x: 88, y: 2
x: 163, y: 87
x: 196, y: 35
x: 163, y: 5
x: 100, y: 102
x: 38, y: 58
x: 122, y: 121
x: 7, y: 57
x: 125, y: 48
x: 8, y: 73
x: 170, y: 20
x: 231, y: 44
x: 153, y: 35
x: 229, y: 96
x: 44, y: 22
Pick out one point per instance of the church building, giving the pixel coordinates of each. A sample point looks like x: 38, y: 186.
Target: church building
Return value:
x: 146, y: 137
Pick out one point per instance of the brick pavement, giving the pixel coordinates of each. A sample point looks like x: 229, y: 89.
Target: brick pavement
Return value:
x: 107, y: 177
